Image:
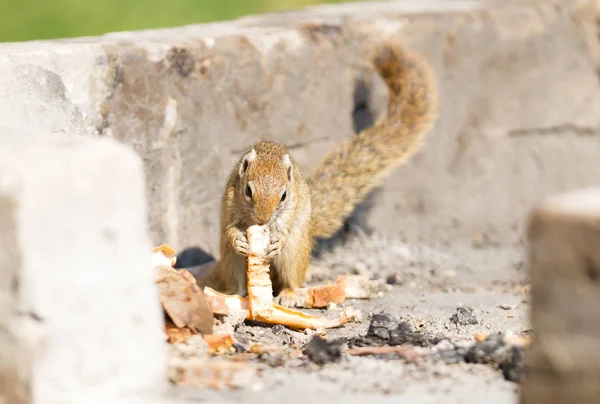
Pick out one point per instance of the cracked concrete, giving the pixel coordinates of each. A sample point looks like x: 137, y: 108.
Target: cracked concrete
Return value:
x: 563, y: 129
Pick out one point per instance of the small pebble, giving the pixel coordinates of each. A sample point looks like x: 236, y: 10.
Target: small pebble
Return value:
x: 321, y: 351
x: 463, y: 317
x: 394, y: 279
x: 360, y: 269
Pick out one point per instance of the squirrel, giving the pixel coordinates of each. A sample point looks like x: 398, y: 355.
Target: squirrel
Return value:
x: 266, y: 187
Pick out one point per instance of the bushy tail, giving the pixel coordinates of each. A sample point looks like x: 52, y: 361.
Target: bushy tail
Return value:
x: 355, y: 167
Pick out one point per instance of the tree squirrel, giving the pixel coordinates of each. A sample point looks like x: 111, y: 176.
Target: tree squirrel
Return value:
x: 267, y: 187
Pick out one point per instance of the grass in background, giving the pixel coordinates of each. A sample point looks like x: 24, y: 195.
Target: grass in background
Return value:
x: 22, y: 20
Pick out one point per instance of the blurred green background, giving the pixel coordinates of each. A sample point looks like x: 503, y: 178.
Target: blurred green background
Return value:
x: 22, y: 20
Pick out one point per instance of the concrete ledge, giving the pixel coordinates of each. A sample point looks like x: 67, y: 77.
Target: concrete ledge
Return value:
x: 519, y: 96
x: 564, y: 240
x: 79, y: 311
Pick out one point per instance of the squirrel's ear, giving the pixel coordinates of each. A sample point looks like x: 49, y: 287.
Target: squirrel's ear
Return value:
x: 288, y: 165
x: 248, y: 158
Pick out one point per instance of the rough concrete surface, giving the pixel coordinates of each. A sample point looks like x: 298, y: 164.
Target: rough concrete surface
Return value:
x: 80, y: 317
x: 433, y: 281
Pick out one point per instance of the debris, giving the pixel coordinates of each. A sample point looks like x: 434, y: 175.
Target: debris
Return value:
x: 219, y: 343
x: 211, y: 373
x: 259, y: 305
x: 386, y: 329
x: 316, y: 297
x: 406, y: 352
x: 226, y: 304
x: 463, y: 317
x: 175, y: 334
x: 320, y: 351
x: 394, y: 279
x: 260, y: 289
x: 258, y: 348
x: 163, y: 254
x: 274, y: 355
x: 479, y: 337
x: 526, y: 333
x: 361, y: 287
x: 221, y: 304
x: 183, y: 300
x: 495, y: 351
x: 517, y: 340
x: 230, y: 322
x: 505, y: 306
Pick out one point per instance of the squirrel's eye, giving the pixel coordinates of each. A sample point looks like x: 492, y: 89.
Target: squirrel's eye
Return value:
x: 283, y: 196
x: 248, y: 191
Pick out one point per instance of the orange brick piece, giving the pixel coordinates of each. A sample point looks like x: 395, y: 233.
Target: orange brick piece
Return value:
x: 322, y: 295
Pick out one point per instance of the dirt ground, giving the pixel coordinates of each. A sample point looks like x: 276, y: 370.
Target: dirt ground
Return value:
x: 427, y: 285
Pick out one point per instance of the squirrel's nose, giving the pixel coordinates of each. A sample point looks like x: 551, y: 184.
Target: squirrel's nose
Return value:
x: 263, y: 219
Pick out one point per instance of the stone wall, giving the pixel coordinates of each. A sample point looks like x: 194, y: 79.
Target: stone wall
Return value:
x: 519, y: 113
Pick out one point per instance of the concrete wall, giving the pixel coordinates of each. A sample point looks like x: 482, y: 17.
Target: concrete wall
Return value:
x: 519, y: 113
x: 80, y: 317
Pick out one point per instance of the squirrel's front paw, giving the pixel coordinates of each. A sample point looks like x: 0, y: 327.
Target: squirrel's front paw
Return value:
x: 286, y: 298
x: 275, y: 245
x: 240, y: 244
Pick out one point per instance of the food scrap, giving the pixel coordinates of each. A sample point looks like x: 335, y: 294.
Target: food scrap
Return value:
x: 313, y: 297
x: 189, y: 306
x: 223, y: 304
x: 260, y: 289
x: 322, y: 296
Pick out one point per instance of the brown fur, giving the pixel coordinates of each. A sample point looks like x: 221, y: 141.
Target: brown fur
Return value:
x: 342, y: 180
x: 291, y: 222
x: 355, y: 167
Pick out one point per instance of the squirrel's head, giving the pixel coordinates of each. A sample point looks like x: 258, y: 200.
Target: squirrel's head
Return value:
x: 264, y: 185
